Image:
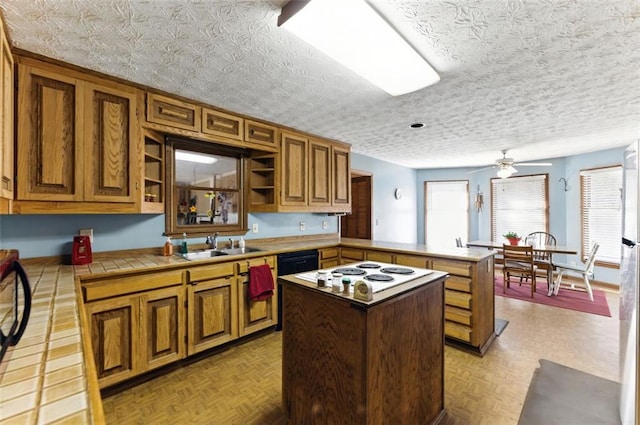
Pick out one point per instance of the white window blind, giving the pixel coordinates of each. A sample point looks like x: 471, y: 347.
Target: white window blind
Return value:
x: 601, y: 200
x: 518, y: 204
x: 446, y: 212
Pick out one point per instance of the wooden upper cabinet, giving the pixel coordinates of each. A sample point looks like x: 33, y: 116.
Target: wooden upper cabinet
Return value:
x: 6, y: 120
x: 293, y: 152
x: 341, y: 177
x: 221, y: 124
x: 111, y: 137
x: 319, y: 173
x: 258, y: 132
x: 172, y: 112
x: 50, y: 121
x: 77, y: 140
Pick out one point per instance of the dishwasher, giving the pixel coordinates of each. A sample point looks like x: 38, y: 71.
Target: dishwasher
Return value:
x: 291, y: 263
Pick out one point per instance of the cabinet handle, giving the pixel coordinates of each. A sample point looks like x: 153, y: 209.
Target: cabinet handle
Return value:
x: 194, y: 283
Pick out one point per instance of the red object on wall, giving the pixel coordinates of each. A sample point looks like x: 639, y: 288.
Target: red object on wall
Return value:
x: 81, y: 251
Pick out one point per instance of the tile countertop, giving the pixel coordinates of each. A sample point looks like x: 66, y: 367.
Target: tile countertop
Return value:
x: 45, y: 379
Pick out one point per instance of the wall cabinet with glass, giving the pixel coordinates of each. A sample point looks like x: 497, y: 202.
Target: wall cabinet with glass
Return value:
x: 204, y: 188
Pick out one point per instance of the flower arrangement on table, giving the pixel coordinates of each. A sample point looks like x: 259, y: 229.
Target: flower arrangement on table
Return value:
x: 512, y: 237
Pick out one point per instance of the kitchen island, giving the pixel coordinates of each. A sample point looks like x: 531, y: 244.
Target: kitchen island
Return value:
x: 346, y: 361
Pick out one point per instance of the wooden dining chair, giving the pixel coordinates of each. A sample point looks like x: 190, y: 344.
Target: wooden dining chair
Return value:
x: 518, y: 262
x: 542, y: 259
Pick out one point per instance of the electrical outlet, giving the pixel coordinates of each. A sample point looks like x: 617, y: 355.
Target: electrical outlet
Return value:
x: 254, y: 228
x: 302, y: 226
x: 324, y: 225
x: 87, y: 232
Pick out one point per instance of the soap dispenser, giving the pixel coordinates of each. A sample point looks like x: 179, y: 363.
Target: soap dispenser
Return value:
x: 168, y: 247
x: 183, y: 245
x: 241, y: 243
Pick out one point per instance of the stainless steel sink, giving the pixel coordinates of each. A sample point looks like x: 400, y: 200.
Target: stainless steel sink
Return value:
x: 235, y: 251
x: 207, y: 253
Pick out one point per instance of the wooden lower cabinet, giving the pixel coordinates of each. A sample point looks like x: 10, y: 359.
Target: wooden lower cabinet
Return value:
x: 255, y: 315
x: 328, y: 257
x: 133, y: 334
x: 351, y: 255
x: 212, y: 307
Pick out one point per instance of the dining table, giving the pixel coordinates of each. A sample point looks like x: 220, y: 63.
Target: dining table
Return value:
x: 550, y: 249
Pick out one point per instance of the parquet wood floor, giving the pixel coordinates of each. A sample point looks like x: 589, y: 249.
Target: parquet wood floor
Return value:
x: 241, y: 385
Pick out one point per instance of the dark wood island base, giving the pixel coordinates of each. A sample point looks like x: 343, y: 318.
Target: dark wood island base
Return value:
x: 364, y: 362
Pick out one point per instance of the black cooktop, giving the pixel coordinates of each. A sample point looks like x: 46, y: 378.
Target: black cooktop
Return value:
x: 375, y: 277
x: 350, y: 271
x: 369, y: 266
x: 397, y: 270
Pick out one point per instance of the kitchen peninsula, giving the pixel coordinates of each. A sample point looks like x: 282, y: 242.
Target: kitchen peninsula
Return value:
x: 346, y: 361
x: 469, y: 284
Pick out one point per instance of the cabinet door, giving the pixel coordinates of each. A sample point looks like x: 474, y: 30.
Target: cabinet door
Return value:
x: 221, y: 124
x: 49, y: 133
x: 162, y: 327
x: 257, y: 132
x: 172, y: 112
x: 111, y: 137
x: 6, y: 123
x: 114, y: 338
x: 319, y: 173
x: 293, y: 152
x: 341, y: 179
x: 255, y: 315
x: 213, y: 313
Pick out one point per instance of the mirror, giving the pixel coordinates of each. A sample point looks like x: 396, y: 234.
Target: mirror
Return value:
x: 205, y: 190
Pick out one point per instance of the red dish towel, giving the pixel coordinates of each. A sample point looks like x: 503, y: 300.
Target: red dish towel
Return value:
x: 260, y: 282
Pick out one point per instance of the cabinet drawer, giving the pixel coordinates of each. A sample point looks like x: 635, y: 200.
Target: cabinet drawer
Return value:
x: 383, y: 257
x: 458, y: 315
x: 221, y: 124
x: 172, y: 112
x: 411, y: 261
x: 459, y: 268
x: 118, y: 285
x: 457, y: 299
x: 458, y: 283
x: 328, y: 253
x: 210, y: 272
x: 457, y: 331
x: 327, y: 264
x: 258, y: 132
x: 352, y: 254
x: 243, y: 266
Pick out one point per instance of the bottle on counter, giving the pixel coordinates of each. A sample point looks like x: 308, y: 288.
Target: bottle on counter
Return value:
x: 183, y: 246
x: 323, y: 277
x: 168, y: 247
x: 346, y: 283
x: 241, y: 243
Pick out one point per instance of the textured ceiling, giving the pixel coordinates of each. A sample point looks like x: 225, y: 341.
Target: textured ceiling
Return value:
x: 542, y: 78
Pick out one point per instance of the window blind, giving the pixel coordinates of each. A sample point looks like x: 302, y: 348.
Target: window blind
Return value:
x: 518, y: 204
x: 601, y: 206
x: 446, y: 212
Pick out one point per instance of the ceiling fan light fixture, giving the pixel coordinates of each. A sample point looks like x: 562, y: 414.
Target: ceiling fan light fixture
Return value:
x: 506, y: 171
x: 355, y: 35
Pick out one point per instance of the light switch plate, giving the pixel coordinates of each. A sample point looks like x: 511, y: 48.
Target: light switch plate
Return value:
x: 254, y: 228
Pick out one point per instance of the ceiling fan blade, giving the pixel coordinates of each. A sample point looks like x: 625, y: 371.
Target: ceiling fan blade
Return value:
x: 534, y: 164
x: 481, y: 169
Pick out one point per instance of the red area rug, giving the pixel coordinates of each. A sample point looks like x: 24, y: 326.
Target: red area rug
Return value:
x: 566, y: 298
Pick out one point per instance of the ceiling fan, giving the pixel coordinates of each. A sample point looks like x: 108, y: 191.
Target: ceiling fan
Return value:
x: 505, y: 166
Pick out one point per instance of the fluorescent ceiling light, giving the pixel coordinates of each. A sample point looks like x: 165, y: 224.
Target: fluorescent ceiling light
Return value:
x: 354, y: 34
x: 194, y: 157
x: 506, y: 171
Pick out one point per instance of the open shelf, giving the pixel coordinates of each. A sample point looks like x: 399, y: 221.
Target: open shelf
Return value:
x: 262, y: 183
x: 153, y: 196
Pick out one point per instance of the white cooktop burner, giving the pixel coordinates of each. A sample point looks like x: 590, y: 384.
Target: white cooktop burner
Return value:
x: 381, y: 275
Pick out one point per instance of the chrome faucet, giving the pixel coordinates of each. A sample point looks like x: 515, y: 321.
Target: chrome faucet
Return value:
x: 212, y: 241
x: 230, y: 243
